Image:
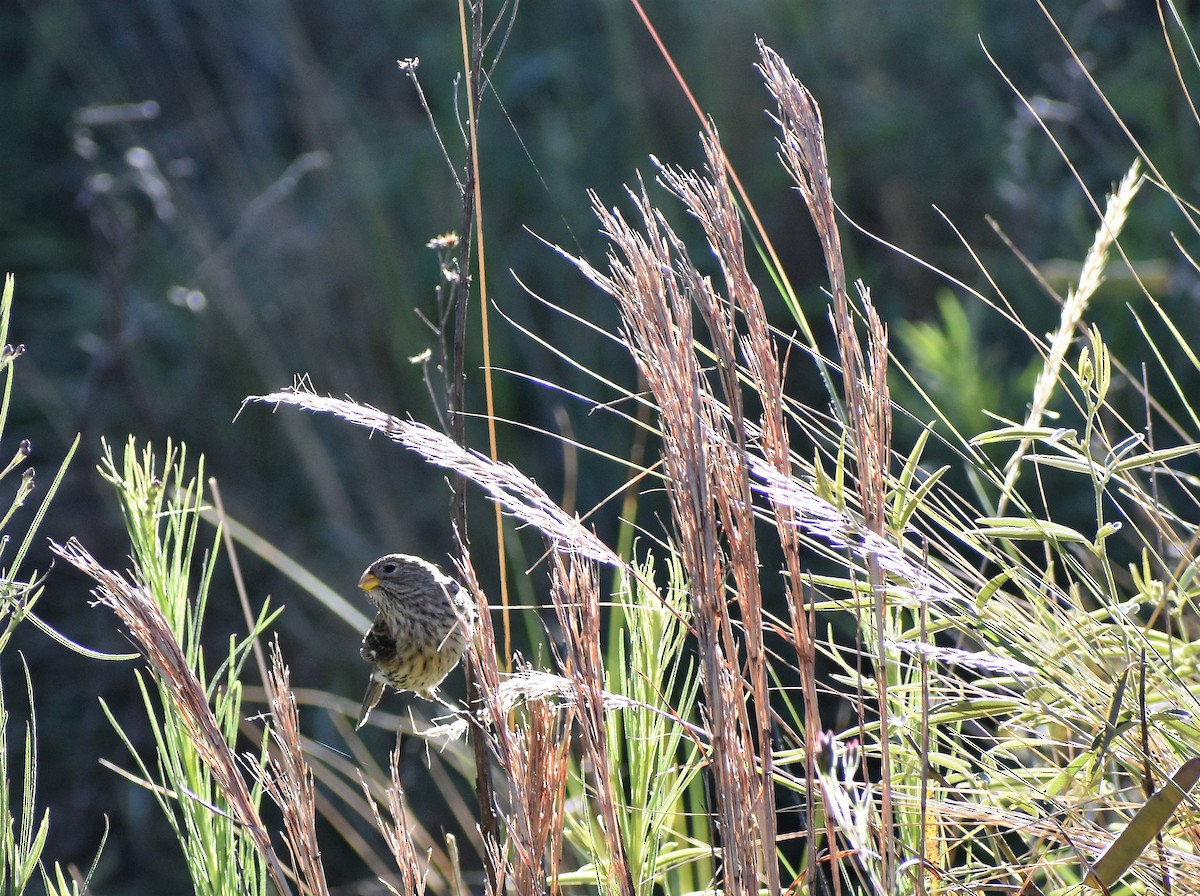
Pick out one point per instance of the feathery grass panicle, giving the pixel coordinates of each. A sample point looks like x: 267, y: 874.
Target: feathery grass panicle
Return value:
x: 1116, y: 213
x: 851, y: 807
x: 483, y: 646
x: 654, y: 284
x: 864, y: 366
x: 508, y: 486
x: 864, y: 374
x: 710, y: 201
x: 817, y: 518
x: 538, y: 773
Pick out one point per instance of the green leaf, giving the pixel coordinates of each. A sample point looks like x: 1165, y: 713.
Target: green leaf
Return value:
x: 911, y: 505
x: 1049, y: 435
x: 1153, y: 457
x: 1019, y: 528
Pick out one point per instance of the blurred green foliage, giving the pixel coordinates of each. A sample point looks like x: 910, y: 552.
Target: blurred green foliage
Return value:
x: 948, y: 358
x: 201, y: 200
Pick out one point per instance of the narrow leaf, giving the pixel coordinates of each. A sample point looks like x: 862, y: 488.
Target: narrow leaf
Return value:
x: 1142, y: 828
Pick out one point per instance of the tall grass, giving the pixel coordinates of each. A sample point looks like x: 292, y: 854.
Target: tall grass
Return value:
x: 193, y: 712
x: 829, y: 672
x: 993, y: 655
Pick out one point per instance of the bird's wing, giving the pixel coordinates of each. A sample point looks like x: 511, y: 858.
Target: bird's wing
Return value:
x: 379, y: 645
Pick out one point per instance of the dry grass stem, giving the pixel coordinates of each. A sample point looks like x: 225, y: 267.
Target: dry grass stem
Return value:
x: 710, y: 200
x: 397, y: 835
x: 538, y: 772
x: 152, y: 634
x: 575, y: 593
x: 288, y: 780
x: 864, y: 369
x: 495, y: 739
x: 655, y: 284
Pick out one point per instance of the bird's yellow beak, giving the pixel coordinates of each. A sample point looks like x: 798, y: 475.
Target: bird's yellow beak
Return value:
x: 368, y: 582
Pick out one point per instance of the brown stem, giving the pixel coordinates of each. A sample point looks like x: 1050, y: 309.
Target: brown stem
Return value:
x: 458, y: 377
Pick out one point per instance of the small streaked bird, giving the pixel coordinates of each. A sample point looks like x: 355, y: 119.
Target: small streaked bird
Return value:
x: 425, y: 622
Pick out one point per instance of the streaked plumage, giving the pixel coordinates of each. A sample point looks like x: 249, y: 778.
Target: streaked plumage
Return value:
x: 424, y: 625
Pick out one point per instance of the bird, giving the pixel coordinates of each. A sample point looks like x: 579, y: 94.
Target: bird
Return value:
x: 425, y: 621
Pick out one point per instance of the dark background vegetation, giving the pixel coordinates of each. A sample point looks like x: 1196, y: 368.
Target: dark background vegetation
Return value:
x: 270, y: 219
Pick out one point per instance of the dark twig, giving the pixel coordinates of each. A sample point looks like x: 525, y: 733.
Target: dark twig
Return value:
x: 484, y: 789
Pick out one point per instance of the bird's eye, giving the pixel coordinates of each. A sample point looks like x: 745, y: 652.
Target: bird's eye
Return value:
x: 388, y: 568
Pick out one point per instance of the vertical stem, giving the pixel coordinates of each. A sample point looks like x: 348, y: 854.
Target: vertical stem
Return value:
x: 472, y: 47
